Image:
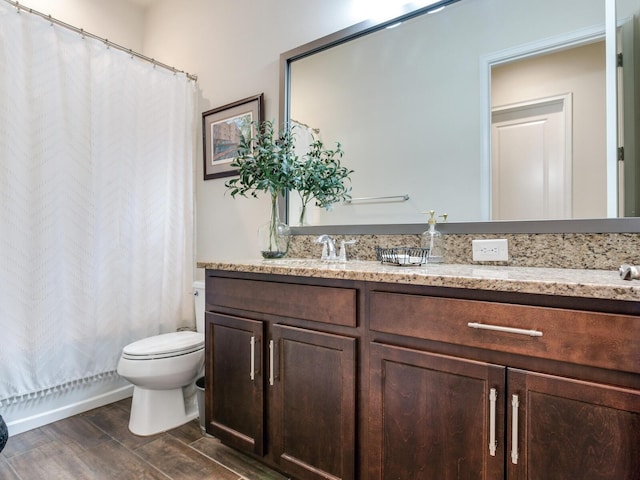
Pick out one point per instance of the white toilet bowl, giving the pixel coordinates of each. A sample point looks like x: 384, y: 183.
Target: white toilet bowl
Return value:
x: 163, y: 370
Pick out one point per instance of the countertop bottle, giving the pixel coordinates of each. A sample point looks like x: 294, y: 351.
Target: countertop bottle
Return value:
x: 432, y: 239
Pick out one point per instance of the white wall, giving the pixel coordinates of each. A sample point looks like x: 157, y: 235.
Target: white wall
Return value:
x: 119, y: 21
x: 234, y: 47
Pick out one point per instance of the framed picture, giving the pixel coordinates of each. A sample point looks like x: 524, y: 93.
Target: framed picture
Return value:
x: 222, y: 129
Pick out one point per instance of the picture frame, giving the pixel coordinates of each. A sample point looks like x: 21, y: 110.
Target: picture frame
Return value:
x: 222, y: 128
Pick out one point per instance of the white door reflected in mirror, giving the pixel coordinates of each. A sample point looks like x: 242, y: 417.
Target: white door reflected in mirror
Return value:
x: 531, y: 160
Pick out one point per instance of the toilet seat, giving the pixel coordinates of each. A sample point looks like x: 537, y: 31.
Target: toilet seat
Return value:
x: 165, y: 345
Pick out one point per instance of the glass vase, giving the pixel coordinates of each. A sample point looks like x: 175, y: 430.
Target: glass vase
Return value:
x: 273, y: 237
x: 302, y: 217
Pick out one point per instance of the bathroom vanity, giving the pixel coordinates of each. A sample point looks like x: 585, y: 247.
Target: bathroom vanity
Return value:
x: 359, y: 370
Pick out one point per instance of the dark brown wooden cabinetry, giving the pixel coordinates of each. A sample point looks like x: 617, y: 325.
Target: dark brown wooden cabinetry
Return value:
x: 314, y: 388
x: 277, y: 388
x: 432, y: 416
x: 333, y: 379
x: 448, y: 417
x: 571, y: 429
x: 235, y: 381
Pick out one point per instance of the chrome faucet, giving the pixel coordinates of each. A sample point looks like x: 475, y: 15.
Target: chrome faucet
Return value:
x: 328, y: 248
x: 629, y: 272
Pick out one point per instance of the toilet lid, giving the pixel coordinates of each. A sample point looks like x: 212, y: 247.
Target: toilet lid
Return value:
x: 164, y: 345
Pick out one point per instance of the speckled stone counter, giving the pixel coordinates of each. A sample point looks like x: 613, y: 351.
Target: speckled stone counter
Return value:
x: 598, y: 251
x: 603, y: 284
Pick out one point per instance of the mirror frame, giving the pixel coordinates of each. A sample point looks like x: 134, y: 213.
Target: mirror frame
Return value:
x: 601, y: 225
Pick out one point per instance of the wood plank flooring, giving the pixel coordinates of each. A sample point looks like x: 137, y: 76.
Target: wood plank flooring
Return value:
x: 98, y: 445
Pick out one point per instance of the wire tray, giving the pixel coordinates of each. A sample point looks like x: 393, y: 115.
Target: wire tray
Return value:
x: 402, y: 256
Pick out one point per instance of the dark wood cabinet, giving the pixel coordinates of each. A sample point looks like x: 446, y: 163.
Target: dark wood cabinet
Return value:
x: 431, y: 414
x: 235, y: 381
x: 280, y: 391
x: 314, y: 391
x: 434, y: 416
x: 570, y: 429
x: 337, y: 379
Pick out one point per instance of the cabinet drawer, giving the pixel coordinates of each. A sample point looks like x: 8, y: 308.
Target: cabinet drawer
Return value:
x: 336, y: 306
x: 587, y: 338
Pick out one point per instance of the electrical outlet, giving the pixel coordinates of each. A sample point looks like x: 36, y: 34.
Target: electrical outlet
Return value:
x: 494, y: 250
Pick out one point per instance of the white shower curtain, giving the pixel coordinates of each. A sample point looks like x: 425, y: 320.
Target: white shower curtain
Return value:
x: 96, y: 204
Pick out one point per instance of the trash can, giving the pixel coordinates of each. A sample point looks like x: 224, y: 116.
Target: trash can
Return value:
x: 200, y: 399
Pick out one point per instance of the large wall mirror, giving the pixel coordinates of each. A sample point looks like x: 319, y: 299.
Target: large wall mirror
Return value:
x: 501, y: 113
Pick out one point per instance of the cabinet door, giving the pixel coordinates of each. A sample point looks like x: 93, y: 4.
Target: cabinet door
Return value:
x: 434, y: 417
x: 569, y: 429
x: 234, y: 381
x: 313, y: 386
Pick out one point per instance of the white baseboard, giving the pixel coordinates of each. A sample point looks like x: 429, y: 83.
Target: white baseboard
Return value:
x: 50, y: 410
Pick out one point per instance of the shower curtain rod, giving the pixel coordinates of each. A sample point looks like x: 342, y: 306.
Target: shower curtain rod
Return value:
x: 108, y: 43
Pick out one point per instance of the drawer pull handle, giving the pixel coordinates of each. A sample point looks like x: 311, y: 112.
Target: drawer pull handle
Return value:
x: 498, y: 328
x: 493, y: 396
x: 514, y: 429
x: 271, y: 373
x: 252, y: 373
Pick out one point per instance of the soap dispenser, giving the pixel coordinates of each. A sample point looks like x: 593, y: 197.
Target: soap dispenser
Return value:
x: 432, y: 239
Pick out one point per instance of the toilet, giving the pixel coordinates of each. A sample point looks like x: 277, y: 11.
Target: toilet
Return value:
x: 163, y: 370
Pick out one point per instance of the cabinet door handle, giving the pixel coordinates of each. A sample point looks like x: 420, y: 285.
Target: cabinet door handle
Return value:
x: 493, y: 396
x: 271, y: 368
x: 498, y: 328
x: 252, y: 373
x: 514, y: 429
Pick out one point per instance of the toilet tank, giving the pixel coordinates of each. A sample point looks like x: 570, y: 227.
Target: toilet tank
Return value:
x: 199, y: 304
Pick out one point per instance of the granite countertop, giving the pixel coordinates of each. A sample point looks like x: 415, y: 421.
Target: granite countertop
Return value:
x: 605, y: 284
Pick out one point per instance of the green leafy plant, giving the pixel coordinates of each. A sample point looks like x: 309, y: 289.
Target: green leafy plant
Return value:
x: 266, y: 162
x: 320, y: 176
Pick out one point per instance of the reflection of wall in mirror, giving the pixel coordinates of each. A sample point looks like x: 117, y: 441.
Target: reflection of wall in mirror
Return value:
x: 579, y: 71
x: 418, y: 132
